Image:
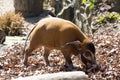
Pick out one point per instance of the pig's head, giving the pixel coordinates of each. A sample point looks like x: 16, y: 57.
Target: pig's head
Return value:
x: 86, y: 52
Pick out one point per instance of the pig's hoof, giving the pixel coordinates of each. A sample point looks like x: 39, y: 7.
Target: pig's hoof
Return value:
x: 93, y: 69
x: 25, y: 63
x: 47, y: 64
x: 69, y: 67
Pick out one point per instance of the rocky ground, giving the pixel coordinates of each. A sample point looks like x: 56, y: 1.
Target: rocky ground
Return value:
x: 106, y: 40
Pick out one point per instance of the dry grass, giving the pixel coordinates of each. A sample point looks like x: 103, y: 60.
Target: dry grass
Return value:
x: 11, y: 23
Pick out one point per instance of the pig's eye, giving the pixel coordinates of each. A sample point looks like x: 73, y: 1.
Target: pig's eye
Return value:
x: 87, y: 54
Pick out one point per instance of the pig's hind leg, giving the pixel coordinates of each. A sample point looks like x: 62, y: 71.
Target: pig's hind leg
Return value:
x: 46, y: 54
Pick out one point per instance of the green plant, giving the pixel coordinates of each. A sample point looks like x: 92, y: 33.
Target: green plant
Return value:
x: 113, y: 16
x: 91, y: 4
x: 102, y: 19
x: 110, y: 18
x: 11, y: 23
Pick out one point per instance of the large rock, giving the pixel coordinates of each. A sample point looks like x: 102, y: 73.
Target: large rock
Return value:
x: 28, y: 8
x: 75, y: 75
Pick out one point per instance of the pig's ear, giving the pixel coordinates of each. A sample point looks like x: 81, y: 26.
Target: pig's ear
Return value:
x: 76, y: 44
x: 91, y: 47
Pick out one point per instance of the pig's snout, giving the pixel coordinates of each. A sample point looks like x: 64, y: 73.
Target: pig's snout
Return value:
x: 94, y: 68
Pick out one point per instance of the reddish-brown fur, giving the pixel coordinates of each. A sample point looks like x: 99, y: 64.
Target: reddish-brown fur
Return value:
x: 56, y: 33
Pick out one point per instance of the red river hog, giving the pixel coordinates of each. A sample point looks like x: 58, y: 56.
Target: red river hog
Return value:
x: 56, y: 33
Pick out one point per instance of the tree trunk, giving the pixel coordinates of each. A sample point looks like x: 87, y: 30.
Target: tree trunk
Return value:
x: 28, y: 8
